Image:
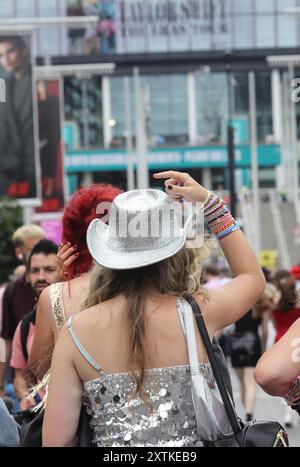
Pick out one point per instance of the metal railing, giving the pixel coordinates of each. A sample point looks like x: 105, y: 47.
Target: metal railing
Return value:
x: 279, y: 231
x: 247, y: 217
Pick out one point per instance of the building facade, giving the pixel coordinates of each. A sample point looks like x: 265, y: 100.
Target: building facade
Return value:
x: 194, y: 58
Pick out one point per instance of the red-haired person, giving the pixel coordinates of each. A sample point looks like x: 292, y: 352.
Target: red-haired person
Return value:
x: 59, y: 301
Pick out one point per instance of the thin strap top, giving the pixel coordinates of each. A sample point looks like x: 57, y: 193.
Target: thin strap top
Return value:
x: 80, y: 347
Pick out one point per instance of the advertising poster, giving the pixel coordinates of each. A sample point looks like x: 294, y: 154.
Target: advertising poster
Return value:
x: 49, y: 99
x: 145, y: 26
x: 53, y: 230
x: 19, y: 163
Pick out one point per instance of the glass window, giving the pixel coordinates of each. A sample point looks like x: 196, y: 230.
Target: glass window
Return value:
x: 165, y: 106
x: 287, y: 31
x: 242, y: 24
x: 243, y: 28
x: 240, y: 106
x: 241, y: 100
x: 83, y: 106
x: 168, y: 121
x: 48, y: 37
x: 212, y: 107
x: 265, y: 30
x: 242, y: 7
x: 118, y: 110
x: 7, y: 8
x: 263, y: 102
x: 24, y: 8
x: 264, y: 105
x: 265, y: 6
x: 46, y: 7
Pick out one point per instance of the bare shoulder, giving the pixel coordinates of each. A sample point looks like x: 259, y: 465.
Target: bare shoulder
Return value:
x: 44, y: 307
x: 98, y: 316
x: 203, y: 298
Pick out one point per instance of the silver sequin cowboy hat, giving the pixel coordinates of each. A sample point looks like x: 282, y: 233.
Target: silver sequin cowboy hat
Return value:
x: 144, y: 228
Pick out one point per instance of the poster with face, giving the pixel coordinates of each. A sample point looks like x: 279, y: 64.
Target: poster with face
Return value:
x: 49, y: 101
x: 19, y: 162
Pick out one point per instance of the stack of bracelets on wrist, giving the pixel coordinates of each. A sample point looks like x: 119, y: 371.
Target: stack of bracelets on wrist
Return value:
x: 293, y: 396
x: 218, y: 217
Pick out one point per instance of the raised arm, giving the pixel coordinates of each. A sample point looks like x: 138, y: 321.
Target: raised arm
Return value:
x: 280, y: 365
x: 229, y: 303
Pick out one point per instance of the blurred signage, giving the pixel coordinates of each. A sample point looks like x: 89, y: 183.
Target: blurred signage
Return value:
x: 268, y: 259
x: 53, y: 230
x: 159, y: 25
x: 129, y: 26
x: 181, y: 158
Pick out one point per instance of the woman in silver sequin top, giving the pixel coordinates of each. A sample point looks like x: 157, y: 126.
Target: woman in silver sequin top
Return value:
x: 125, y: 356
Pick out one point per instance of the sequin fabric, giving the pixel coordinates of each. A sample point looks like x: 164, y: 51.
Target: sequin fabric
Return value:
x: 57, y: 304
x: 166, y: 419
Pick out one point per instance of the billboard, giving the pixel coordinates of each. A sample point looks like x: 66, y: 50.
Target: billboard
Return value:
x: 49, y: 102
x: 171, y: 25
x: 19, y: 164
x: 139, y: 26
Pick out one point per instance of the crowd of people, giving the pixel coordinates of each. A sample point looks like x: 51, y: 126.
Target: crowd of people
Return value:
x: 96, y: 324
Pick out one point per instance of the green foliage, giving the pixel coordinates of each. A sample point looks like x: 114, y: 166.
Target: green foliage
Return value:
x: 10, y: 220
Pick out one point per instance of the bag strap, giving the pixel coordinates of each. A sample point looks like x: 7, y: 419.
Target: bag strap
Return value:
x: 189, y: 330
x: 231, y: 414
x: 24, y: 331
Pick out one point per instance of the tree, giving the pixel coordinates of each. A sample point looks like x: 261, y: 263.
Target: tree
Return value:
x: 10, y: 219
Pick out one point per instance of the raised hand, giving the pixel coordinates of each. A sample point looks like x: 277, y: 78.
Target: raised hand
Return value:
x: 182, y: 185
x: 66, y: 256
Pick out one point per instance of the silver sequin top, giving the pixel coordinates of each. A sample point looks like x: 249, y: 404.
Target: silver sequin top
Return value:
x: 167, y: 419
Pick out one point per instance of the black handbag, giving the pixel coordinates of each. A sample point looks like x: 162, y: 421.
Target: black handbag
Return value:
x: 257, y: 433
x: 31, y: 433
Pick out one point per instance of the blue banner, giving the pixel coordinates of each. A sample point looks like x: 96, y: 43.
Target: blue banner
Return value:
x: 177, y: 158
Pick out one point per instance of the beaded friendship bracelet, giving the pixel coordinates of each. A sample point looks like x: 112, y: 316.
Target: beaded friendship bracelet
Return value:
x: 293, y: 396
x: 217, y: 216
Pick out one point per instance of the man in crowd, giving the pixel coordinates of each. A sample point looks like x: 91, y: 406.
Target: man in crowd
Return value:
x: 18, y: 298
x: 17, y: 155
x: 42, y: 272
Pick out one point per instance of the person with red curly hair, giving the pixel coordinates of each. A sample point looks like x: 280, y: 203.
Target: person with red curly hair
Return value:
x: 61, y: 300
